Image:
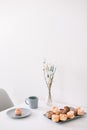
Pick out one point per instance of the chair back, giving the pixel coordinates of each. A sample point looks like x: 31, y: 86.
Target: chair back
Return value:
x: 5, y: 101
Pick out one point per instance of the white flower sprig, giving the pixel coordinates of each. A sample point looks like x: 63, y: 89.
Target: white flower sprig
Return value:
x: 49, y: 71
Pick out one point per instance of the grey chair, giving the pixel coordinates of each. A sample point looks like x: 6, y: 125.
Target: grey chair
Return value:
x: 5, y: 101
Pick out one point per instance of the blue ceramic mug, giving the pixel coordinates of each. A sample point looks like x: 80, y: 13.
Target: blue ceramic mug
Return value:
x: 32, y: 101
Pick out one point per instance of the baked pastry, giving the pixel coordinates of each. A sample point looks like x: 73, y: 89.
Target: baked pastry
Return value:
x: 76, y: 109
x: 55, y: 118
x: 63, y: 117
x: 70, y: 114
x: 62, y: 111
x: 18, y: 112
x: 67, y: 109
x: 80, y: 112
x: 55, y: 110
x: 49, y: 114
x: 73, y: 109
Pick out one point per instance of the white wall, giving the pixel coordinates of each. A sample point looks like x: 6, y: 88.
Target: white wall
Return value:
x: 33, y: 30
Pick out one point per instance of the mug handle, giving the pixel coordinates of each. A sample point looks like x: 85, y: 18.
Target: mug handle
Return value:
x: 26, y: 101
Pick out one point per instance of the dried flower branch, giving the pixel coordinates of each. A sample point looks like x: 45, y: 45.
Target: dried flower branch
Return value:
x: 49, y: 71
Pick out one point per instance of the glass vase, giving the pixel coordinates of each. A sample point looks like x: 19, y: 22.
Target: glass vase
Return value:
x: 49, y: 98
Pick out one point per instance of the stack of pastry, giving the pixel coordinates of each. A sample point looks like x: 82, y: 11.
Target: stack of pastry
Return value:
x: 62, y: 114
